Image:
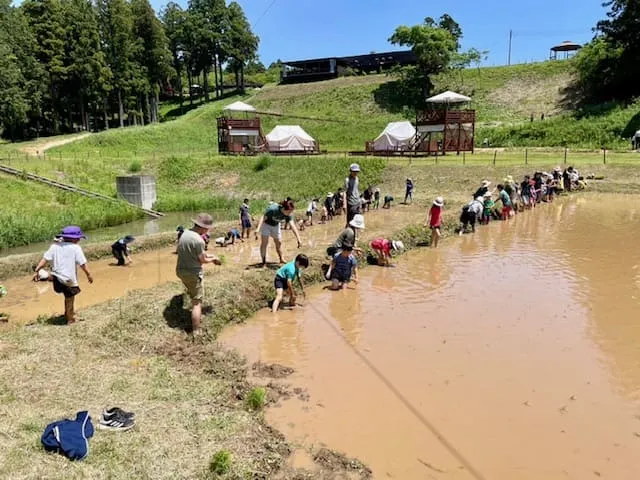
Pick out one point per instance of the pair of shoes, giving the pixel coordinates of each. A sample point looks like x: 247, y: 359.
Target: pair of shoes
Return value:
x: 117, y: 419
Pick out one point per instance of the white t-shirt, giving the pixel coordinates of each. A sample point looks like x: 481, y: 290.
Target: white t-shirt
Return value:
x: 64, y: 257
x: 313, y: 206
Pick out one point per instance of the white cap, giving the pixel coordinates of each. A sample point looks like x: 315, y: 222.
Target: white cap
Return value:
x: 354, y: 167
x: 397, y: 245
x: 357, y: 222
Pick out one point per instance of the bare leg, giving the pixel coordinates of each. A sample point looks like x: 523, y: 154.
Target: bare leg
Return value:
x: 196, y: 313
x: 276, y: 302
x: 69, y: 309
x: 279, y: 249
x: 435, y: 237
x: 263, y: 249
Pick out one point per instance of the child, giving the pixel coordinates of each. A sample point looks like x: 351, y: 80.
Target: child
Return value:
x: 387, y: 201
x: 245, y: 219
x: 121, y: 251
x: 64, y: 257
x: 344, y: 265
x: 313, y: 207
x: 434, y: 220
x: 328, y: 207
x: 180, y: 230
x: 376, y: 199
x: 409, y: 191
x: 506, y: 202
x: 487, y: 210
x: 284, y: 279
x: 382, y: 248
x: 470, y: 214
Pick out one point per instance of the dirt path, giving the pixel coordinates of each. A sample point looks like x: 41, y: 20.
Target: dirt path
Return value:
x: 39, y: 146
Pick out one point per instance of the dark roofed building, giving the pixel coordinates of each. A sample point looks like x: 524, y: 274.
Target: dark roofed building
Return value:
x: 332, y: 67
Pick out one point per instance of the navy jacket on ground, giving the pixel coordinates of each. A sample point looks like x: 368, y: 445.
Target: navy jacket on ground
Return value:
x: 69, y: 437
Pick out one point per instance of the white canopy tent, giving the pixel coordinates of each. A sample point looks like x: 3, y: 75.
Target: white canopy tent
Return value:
x: 288, y: 138
x: 396, y: 135
x: 239, y: 107
x: 449, y: 97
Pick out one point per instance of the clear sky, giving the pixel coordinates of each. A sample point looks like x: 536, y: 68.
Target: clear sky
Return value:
x: 300, y: 29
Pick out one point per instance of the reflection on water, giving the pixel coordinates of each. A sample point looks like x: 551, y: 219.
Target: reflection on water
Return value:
x: 521, y: 344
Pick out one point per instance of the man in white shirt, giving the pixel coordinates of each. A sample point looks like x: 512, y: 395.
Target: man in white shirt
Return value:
x: 64, y: 258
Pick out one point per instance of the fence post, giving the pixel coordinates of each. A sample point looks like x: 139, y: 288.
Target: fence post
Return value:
x: 565, y: 155
x: 526, y: 156
x: 495, y: 153
x: 604, y: 156
x: 464, y: 158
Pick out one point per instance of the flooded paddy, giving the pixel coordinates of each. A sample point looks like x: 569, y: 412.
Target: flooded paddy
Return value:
x: 513, y: 353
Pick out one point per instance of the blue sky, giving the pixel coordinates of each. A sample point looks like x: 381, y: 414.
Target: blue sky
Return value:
x: 299, y: 29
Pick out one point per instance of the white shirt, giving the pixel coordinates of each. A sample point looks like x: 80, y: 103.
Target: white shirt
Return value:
x: 64, y: 257
x: 475, y: 207
x: 313, y: 206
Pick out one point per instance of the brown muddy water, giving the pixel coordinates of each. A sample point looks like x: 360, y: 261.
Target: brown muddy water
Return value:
x: 513, y: 353
x: 27, y: 300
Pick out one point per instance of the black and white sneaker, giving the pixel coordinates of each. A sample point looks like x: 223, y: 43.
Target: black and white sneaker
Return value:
x: 116, y: 422
x: 110, y: 412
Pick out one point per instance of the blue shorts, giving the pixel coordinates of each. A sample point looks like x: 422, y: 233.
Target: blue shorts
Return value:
x: 280, y: 282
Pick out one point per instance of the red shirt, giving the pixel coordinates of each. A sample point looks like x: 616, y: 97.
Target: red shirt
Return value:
x: 382, y: 244
x: 436, y: 216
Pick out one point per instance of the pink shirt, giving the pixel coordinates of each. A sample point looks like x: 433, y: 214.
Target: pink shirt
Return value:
x: 381, y: 244
x: 436, y: 216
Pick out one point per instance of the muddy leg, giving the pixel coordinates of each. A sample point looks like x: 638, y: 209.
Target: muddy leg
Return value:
x: 276, y: 302
x: 435, y: 237
x: 69, y: 309
x: 278, y: 243
x: 196, y: 313
x: 263, y: 249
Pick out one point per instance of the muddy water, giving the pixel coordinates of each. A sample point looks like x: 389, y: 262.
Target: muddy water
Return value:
x: 28, y: 300
x: 510, y: 354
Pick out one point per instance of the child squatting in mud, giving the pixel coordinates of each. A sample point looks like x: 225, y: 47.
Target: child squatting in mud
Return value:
x: 343, y: 266
x: 284, y: 280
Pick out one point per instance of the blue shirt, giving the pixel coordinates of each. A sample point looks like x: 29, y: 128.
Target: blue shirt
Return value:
x: 288, y: 271
x: 344, y: 265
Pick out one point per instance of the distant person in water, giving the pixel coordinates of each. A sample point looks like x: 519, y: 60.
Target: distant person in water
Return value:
x: 269, y: 226
x: 284, y: 279
x: 487, y: 208
x: 383, y: 247
x: 343, y: 267
x: 434, y: 220
x: 387, y: 201
x: 245, y: 219
x: 120, y: 250
x: 408, y: 195
x: 311, y: 209
x: 506, y: 202
x: 64, y: 258
x: 484, y: 188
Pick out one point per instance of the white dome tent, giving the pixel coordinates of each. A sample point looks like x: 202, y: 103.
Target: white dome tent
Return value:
x: 290, y: 138
x: 396, y: 136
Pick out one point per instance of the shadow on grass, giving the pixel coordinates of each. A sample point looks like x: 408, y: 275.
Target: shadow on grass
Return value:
x: 55, y: 320
x: 258, y: 266
x: 179, y: 317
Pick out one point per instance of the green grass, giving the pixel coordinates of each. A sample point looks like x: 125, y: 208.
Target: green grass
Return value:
x: 33, y: 212
x: 220, y: 463
x: 256, y: 398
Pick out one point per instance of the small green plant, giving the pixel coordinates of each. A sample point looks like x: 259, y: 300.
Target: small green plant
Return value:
x: 255, y: 400
x: 264, y: 162
x: 135, y: 166
x: 220, y: 463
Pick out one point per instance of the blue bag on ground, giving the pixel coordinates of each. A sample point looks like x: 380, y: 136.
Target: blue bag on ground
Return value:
x: 69, y: 437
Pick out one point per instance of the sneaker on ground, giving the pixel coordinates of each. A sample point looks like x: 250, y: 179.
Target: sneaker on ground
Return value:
x: 116, y: 422
x: 110, y: 412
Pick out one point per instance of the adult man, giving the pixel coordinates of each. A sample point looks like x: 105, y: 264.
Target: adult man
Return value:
x: 351, y: 200
x: 191, y: 258
x: 64, y: 256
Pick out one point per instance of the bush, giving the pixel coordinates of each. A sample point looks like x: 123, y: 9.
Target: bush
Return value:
x: 220, y: 463
x: 255, y: 400
x: 135, y: 166
x: 264, y: 162
x: 176, y: 169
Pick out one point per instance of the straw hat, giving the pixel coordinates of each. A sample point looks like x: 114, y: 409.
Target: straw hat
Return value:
x: 438, y: 202
x: 397, y: 245
x: 485, y: 183
x: 357, y: 222
x: 203, y: 220
x: 557, y: 169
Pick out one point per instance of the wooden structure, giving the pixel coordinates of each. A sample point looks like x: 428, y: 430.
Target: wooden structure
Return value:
x: 568, y: 47
x: 240, y: 135
x: 442, y: 130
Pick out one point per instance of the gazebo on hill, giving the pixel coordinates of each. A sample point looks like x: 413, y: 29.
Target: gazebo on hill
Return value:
x: 445, y: 126
x: 239, y: 130
x: 568, y: 47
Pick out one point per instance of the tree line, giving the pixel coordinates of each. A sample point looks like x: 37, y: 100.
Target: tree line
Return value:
x: 68, y: 65
x: 608, y: 67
